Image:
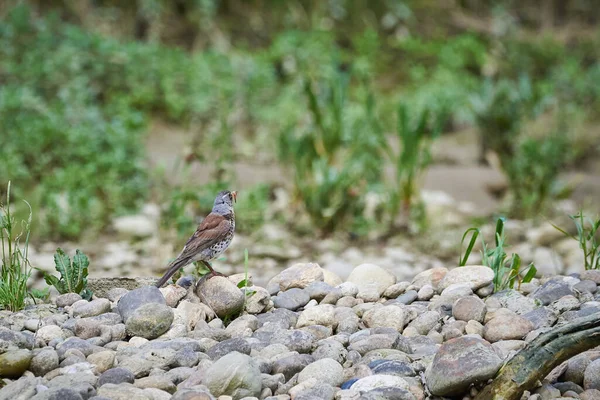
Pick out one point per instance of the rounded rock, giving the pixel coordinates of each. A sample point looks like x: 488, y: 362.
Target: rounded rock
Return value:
x: 221, y: 295
x: 149, y: 321
x: 460, y: 362
x: 477, y: 276
x: 323, y: 314
x: 325, y: 370
x: 371, y: 278
x: 591, y: 377
x: 385, y: 316
x: 116, y: 376
x: 136, y: 298
x: 469, y: 308
x: 93, y: 308
x: 235, y: 374
x: 43, y: 362
x: 14, y: 363
x: 507, y: 328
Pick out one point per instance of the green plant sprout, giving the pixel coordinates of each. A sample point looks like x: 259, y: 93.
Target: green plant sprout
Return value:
x: 16, y: 269
x: 506, y: 272
x: 587, y: 236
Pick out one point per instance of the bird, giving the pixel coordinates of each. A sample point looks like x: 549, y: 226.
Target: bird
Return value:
x: 211, y: 239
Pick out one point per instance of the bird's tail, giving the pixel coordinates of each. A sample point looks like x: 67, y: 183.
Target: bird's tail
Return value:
x: 172, y: 268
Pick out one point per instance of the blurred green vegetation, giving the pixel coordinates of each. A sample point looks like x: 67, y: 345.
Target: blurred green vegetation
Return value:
x: 317, y: 83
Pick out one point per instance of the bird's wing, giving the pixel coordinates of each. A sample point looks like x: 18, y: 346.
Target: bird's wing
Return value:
x: 211, y: 230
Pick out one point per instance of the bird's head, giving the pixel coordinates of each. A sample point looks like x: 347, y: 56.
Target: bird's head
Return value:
x: 224, y: 202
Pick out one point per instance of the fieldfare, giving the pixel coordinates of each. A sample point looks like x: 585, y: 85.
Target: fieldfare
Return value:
x: 212, y: 237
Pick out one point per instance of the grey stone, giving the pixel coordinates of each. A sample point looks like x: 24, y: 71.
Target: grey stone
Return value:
x: 346, y: 320
x: 321, y: 391
x: 292, y: 299
x: 43, y: 362
x: 20, y: 389
x: 568, y: 387
x: 371, y: 277
x: 469, y: 308
x: 67, y: 299
x: 196, y: 393
x: 149, y: 320
x: 426, y: 322
x: 376, y: 342
x: 577, y: 365
x: 373, y: 382
x: 50, y: 332
x: 325, y: 370
x: 388, y: 393
x: 591, y: 394
x: 156, y: 381
x: 295, y: 340
x: 291, y: 365
x: 385, y: 316
x: 258, y: 301
x: 91, y: 309
x: 476, y: 276
x: 318, y: 290
x: 552, y: 291
x: 299, y: 276
x: 123, y: 391
x: 591, y: 376
x: 541, y: 317
x: 59, y: 394
x: 228, y: 346
x: 136, y: 298
x: 459, y: 363
x: 221, y: 295
x: 236, y: 375
x: 330, y: 348
x: 323, y: 314
x: 506, y: 328
x: 116, y: 376
x: 586, y: 286
x: 408, y: 297
x: 392, y: 367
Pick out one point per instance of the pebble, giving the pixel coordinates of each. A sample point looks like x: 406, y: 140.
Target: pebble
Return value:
x: 459, y: 363
x: 371, y: 278
x: 221, y: 295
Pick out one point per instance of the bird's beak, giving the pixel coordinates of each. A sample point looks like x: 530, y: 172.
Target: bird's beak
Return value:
x: 234, y: 195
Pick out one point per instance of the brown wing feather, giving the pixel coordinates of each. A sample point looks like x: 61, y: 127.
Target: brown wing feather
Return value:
x: 212, y: 229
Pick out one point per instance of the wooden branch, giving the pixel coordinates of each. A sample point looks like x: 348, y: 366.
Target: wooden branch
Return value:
x: 541, y: 356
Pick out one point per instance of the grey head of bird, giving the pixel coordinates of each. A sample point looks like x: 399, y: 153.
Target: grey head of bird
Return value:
x: 224, y: 202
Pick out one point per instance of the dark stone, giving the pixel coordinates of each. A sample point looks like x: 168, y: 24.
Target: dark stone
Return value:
x: 552, y: 291
x: 116, y: 375
x: 408, y: 297
x: 281, y: 317
x: 186, y: 358
x: 291, y: 299
x: 392, y: 367
x: 296, y: 340
x: 541, y: 317
x: 136, y: 298
x: 291, y: 365
x: 318, y: 290
x: 59, y: 394
x: 348, y: 384
x: 566, y: 386
x: 586, y: 286
x: 228, y: 346
x: 75, y: 343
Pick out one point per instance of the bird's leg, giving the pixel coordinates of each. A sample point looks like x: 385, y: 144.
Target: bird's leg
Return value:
x: 212, y: 271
